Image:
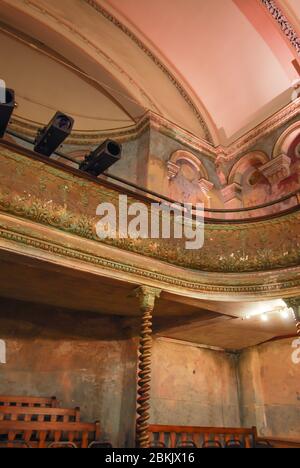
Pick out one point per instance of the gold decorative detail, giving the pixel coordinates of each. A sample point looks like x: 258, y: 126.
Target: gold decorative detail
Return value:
x: 243, y: 285
x: 147, y: 298
x: 68, y: 202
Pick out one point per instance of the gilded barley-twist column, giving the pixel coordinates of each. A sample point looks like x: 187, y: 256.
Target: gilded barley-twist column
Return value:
x: 294, y: 303
x: 147, y: 297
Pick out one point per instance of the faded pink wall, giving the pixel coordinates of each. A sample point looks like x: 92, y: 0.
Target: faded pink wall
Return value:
x: 193, y: 386
x: 270, y: 389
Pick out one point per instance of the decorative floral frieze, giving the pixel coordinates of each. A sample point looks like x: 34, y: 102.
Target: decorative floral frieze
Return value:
x: 284, y: 23
x: 60, y: 202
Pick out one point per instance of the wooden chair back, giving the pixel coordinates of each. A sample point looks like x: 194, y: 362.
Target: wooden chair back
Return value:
x: 48, y: 402
x: 174, y: 436
x: 40, y: 414
x: 42, y: 434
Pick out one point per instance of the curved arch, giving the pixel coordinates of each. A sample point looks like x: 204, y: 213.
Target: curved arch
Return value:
x: 182, y: 156
x: 252, y: 159
x: 286, y: 139
x: 101, y: 50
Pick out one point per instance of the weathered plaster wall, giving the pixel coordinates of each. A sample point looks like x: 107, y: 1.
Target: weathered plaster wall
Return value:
x: 145, y: 162
x: 270, y: 389
x: 90, y: 361
x: 193, y: 386
x: 81, y: 359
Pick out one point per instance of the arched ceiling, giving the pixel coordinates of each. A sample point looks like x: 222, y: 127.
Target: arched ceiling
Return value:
x: 44, y: 85
x: 231, y: 53
x: 217, y: 68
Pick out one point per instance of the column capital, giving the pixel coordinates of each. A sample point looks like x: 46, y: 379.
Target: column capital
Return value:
x: 147, y: 296
x: 277, y: 169
x: 206, y: 186
x: 294, y: 303
x: 173, y: 170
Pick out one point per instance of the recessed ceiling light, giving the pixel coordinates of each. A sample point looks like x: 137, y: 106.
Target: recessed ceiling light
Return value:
x: 264, y: 317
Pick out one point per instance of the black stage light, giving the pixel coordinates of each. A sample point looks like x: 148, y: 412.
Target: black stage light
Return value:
x: 102, y: 158
x: 51, y: 137
x: 6, y: 110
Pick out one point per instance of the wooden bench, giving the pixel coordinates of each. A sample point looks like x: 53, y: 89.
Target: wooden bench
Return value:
x: 201, y: 437
x: 38, y: 434
x: 41, y: 414
x: 29, y: 401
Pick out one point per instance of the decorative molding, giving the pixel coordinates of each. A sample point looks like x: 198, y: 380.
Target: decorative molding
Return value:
x: 49, y: 201
x: 173, y: 170
x: 206, y: 186
x: 185, y: 157
x: 267, y: 285
x: 253, y: 136
x: 283, y: 23
x: 147, y: 296
x: 277, y: 169
x: 232, y: 192
x: 286, y: 139
x: 252, y: 160
x: 99, y: 8
x: 151, y: 120
x: 128, y: 133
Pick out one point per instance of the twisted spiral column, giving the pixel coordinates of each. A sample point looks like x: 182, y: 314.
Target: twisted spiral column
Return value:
x: 294, y: 303
x: 147, y: 297
x: 297, y: 318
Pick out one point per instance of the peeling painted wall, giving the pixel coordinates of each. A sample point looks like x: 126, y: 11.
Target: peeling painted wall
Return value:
x: 51, y: 352
x: 270, y: 389
x: 89, y: 360
x: 193, y: 386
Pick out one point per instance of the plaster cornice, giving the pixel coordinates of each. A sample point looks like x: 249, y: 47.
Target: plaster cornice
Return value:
x: 15, y: 238
x: 159, y: 123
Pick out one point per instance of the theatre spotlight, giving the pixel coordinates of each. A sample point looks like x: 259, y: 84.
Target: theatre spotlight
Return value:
x: 102, y: 158
x: 6, y: 110
x: 51, y: 137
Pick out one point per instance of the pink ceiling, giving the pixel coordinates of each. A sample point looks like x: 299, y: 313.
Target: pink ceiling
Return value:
x: 231, y: 53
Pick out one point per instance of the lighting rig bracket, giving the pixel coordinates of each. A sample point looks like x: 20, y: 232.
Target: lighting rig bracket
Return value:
x: 51, y: 137
x: 6, y: 110
x: 99, y: 160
